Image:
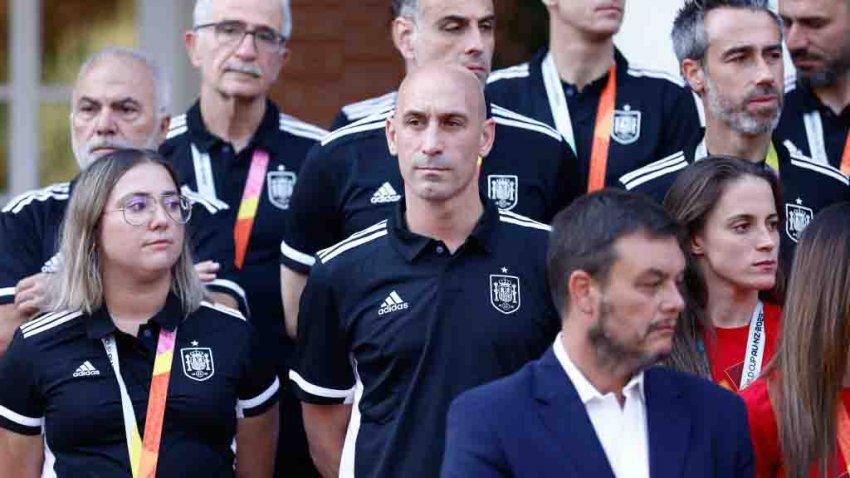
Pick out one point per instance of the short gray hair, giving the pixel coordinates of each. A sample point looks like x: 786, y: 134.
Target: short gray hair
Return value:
x: 203, y: 11
x: 161, y: 85
x: 690, y: 40
x: 405, y: 8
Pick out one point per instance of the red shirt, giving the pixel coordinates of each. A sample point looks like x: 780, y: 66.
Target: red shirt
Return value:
x: 764, y: 432
x: 726, y: 352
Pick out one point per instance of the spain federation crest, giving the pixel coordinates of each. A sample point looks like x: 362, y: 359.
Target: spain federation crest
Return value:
x: 797, y: 217
x: 280, y: 186
x: 505, y: 293
x: 198, y: 363
x: 625, y: 127
x: 502, y: 190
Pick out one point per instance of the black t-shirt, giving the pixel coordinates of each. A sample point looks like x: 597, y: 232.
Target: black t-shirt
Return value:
x: 56, y: 377
x: 654, y: 114
x: 393, y: 323
x: 215, y: 176
x: 351, y: 181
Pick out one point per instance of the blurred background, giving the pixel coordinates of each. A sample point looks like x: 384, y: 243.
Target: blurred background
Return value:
x: 340, y: 53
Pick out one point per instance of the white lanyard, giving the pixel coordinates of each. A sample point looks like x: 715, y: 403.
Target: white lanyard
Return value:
x: 701, y: 151
x: 754, y: 353
x: 814, y: 134
x: 203, y: 173
x: 557, y: 100
x: 130, y: 427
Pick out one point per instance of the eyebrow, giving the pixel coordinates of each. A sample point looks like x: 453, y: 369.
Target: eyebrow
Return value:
x: 750, y: 48
x: 126, y: 99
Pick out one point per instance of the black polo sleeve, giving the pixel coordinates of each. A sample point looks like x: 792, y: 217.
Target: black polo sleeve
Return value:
x: 20, y: 256
x: 682, y: 126
x: 259, y: 387
x: 323, y: 373
x: 315, y: 217
x: 21, y: 404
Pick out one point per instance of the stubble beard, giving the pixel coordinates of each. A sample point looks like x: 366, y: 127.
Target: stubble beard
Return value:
x: 614, y: 355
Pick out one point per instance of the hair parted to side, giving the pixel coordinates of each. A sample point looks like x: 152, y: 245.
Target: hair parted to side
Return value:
x: 161, y: 85
x: 805, y: 376
x: 583, y: 235
x: 690, y: 200
x: 77, y: 285
x: 405, y: 8
x: 690, y: 40
x: 203, y: 11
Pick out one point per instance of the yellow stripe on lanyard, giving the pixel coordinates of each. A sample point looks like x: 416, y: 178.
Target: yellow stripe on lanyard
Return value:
x: 772, y: 159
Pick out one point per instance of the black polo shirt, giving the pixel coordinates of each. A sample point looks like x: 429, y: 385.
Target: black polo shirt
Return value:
x: 393, y: 323
x: 56, y: 377
x: 361, y: 109
x: 287, y: 141
x: 654, y: 114
x: 811, y: 126
x: 351, y: 180
x: 30, y: 229
x: 807, y: 187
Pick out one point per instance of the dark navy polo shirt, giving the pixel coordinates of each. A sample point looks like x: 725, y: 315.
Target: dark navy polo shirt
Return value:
x: 351, y: 180
x: 811, y: 126
x: 56, y: 377
x: 287, y: 141
x: 393, y: 323
x: 361, y: 109
x: 807, y: 187
x: 654, y: 115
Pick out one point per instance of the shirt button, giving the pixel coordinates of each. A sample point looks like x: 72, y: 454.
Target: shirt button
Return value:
x: 440, y: 249
x: 147, y: 333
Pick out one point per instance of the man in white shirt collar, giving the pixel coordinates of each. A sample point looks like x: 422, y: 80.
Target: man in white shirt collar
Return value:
x: 615, y: 266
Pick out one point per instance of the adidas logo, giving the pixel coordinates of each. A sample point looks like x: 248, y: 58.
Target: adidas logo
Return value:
x: 392, y: 303
x: 385, y: 194
x: 86, y: 370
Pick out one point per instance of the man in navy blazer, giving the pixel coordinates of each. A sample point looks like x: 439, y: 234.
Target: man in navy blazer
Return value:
x: 595, y: 405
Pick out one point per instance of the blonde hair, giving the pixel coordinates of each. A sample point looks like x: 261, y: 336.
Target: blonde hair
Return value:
x: 77, y: 285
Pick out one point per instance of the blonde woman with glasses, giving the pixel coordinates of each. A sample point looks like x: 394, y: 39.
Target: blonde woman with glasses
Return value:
x: 134, y: 373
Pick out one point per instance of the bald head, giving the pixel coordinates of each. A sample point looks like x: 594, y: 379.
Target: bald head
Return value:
x: 444, y: 81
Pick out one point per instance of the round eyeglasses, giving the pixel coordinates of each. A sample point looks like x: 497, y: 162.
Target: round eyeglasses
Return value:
x: 140, y: 209
x: 232, y: 32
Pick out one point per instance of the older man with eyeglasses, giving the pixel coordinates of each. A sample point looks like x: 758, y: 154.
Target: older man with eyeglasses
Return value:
x: 236, y: 152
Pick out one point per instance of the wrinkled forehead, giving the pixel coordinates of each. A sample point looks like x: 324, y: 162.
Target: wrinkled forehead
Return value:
x: 729, y: 27
x: 434, y: 10
x: 441, y: 94
x: 116, y: 78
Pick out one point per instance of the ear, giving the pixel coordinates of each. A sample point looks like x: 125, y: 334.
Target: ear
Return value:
x: 404, y: 34
x: 284, y: 56
x: 694, y: 74
x: 191, y: 41
x: 488, y: 136
x: 162, y: 129
x: 583, y: 291
x: 390, y: 131
x: 697, y: 245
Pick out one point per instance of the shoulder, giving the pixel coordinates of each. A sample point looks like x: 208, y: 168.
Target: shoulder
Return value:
x: 210, y: 204
x: 354, y: 247
x: 51, y: 325
x: 302, y: 129
x: 177, y: 128
x: 667, y: 166
x: 799, y: 160
x: 656, y: 77
x: 211, y: 309
x: 518, y: 224
x: 55, y: 195
x: 361, y: 129
x: 505, y: 75
x: 519, y: 122
x: 362, y: 109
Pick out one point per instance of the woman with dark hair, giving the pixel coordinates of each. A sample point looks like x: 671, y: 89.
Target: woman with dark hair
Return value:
x: 134, y: 373
x: 731, y: 210
x: 798, y: 410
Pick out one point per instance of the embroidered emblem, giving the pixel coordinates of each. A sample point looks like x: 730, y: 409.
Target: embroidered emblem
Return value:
x: 626, y: 125
x: 280, y: 186
x: 198, y: 363
x: 797, y: 218
x: 505, y: 292
x: 502, y: 189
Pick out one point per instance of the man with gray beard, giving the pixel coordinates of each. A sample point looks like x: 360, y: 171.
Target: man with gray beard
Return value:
x: 730, y: 53
x: 816, y: 117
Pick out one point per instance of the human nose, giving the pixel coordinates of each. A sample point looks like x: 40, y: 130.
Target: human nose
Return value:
x: 158, y: 216
x: 768, y: 239
x: 247, y: 46
x: 796, y: 38
x: 432, y: 141
x: 105, y: 122
x: 474, y: 42
x: 673, y: 302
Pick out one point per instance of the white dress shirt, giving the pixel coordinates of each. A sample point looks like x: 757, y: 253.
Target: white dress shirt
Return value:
x: 621, y: 430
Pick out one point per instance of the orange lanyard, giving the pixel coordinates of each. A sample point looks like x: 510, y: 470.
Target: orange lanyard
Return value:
x: 250, y: 203
x: 602, y: 133
x: 845, y: 157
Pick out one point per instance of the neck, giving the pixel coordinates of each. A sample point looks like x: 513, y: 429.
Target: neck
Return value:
x: 132, y: 303
x: 605, y: 377
x: 578, y: 58
x: 720, y: 139
x: 233, y: 119
x: 449, y: 221
x: 837, y: 96
x: 728, y: 306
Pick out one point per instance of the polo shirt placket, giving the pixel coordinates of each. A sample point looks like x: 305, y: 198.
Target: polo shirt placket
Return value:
x: 812, y: 127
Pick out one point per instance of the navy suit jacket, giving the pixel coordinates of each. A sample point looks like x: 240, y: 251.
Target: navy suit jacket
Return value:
x: 533, y: 424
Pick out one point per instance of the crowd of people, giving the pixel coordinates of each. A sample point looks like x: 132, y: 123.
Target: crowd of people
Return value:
x: 574, y: 266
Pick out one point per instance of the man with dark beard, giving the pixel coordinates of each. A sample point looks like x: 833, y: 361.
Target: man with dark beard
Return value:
x: 730, y: 52
x: 616, y: 285
x: 817, y: 107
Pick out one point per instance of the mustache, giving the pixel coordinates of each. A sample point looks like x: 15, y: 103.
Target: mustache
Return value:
x: 763, y: 90
x: 805, y: 54
x: 245, y: 68
x: 108, y: 143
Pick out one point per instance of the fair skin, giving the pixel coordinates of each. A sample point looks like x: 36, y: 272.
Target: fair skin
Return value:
x: 581, y: 37
x: 235, y: 79
x: 438, y: 132
x: 741, y: 83
x: 634, y: 311
x: 817, y: 33
x: 444, y: 32
x: 136, y: 264
x: 738, y: 250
